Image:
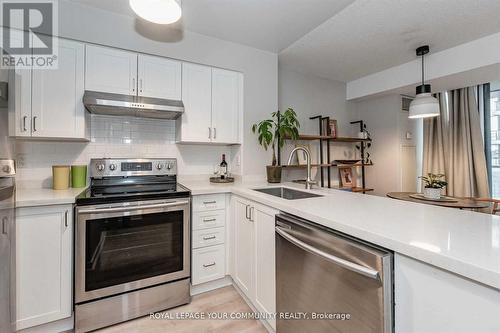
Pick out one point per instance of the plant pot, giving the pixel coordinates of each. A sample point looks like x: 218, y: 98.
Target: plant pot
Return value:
x: 432, y: 193
x: 273, y: 174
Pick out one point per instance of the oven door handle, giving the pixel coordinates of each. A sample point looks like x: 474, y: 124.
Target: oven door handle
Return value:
x: 130, y: 208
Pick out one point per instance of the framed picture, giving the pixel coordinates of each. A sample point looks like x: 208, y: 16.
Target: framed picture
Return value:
x: 329, y: 127
x: 332, y: 128
x: 346, y: 177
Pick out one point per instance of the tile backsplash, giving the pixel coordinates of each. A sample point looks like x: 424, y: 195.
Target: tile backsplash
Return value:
x: 116, y: 137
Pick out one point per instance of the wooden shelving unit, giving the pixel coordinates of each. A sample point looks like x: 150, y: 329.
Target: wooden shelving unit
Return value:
x: 326, y: 140
x: 299, y: 166
x: 307, y: 137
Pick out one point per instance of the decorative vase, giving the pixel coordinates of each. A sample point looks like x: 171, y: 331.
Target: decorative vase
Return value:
x: 432, y: 193
x: 273, y: 174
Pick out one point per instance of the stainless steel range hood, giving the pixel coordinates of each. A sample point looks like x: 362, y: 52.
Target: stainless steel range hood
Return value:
x: 136, y: 106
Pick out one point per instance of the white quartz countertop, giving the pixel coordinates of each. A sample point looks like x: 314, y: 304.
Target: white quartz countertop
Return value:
x: 462, y: 242
x: 459, y: 241
x: 29, y: 197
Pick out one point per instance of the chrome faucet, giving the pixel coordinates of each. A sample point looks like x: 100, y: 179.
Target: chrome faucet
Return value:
x: 309, y: 181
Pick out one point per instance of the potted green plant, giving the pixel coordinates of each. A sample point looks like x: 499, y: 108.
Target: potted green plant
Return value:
x: 272, y: 132
x: 434, y: 183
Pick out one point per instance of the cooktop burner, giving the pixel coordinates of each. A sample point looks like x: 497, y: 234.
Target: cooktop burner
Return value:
x: 117, y: 180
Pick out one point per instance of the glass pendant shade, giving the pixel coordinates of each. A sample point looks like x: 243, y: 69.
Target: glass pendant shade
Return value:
x: 424, y: 106
x: 157, y: 11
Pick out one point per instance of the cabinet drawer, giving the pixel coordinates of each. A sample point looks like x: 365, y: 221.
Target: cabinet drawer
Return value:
x: 210, y: 219
x: 208, y: 237
x: 209, y: 202
x: 208, y: 264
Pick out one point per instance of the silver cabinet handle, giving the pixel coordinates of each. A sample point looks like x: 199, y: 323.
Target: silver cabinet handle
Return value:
x: 209, y: 202
x: 4, y: 225
x: 246, y: 212
x: 131, y: 208
x: 372, y: 274
x: 24, y: 123
x: 34, y: 124
x: 252, y: 209
x: 208, y: 265
x: 66, y: 218
x: 209, y: 220
x: 215, y: 133
x: 210, y: 132
x: 133, y: 84
x: 208, y: 238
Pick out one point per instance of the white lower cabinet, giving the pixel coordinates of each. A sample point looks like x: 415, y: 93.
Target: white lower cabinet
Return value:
x: 209, y: 264
x: 432, y: 300
x: 43, y: 291
x: 244, y: 248
x: 254, y: 254
x: 208, y: 238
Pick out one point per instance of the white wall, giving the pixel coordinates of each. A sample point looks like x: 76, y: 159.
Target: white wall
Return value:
x: 311, y: 96
x: 381, y: 118
x: 260, y: 69
x: 388, y: 126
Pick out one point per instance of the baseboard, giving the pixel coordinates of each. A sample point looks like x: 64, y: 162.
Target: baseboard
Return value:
x: 59, y: 326
x: 212, y: 285
x: 254, y: 309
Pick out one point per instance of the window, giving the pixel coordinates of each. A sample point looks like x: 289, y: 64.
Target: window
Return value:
x: 494, y: 142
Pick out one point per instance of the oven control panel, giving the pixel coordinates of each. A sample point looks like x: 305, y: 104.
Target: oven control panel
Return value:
x: 109, y: 167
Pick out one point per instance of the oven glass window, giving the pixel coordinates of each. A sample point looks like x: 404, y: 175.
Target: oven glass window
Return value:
x: 130, y: 248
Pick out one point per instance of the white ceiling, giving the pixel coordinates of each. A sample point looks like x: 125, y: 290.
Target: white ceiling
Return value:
x: 270, y: 25
x: 372, y: 35
x: 336, y: 39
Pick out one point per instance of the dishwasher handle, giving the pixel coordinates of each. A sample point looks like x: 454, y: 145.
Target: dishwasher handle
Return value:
x: 371, y: 273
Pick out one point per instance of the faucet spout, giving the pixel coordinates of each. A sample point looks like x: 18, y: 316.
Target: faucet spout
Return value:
x: 309, y: 181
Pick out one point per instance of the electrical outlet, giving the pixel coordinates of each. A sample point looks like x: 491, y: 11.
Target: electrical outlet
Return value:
x: 20, y: 160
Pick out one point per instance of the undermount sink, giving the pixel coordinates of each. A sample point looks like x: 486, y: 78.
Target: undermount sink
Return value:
x: 287, y: 193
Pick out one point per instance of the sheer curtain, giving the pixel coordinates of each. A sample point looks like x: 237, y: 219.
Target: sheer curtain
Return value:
x: 454, y: 146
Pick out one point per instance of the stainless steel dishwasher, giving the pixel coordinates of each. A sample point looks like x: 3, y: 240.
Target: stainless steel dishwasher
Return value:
x: 328, y: 282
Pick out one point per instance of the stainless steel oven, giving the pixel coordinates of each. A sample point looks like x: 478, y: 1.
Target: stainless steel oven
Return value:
x: 126, y: 246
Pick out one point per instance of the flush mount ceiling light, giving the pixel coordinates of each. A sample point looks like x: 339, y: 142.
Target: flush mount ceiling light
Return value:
x: 157, y: 11
x: 424, y: 105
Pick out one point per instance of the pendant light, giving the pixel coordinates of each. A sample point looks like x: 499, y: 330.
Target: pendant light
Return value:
x: 157, y: 11
x: 424, y: 105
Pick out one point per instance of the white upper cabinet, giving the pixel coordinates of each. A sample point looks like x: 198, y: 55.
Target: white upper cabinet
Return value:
x: 57, y: 108
x: 197, y: 98
x: 213, y: 100
x: 110, y: 70
x: 47, y: 103
x: 19, y: 101
x: 159, y: 77
x: 226, y: 105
